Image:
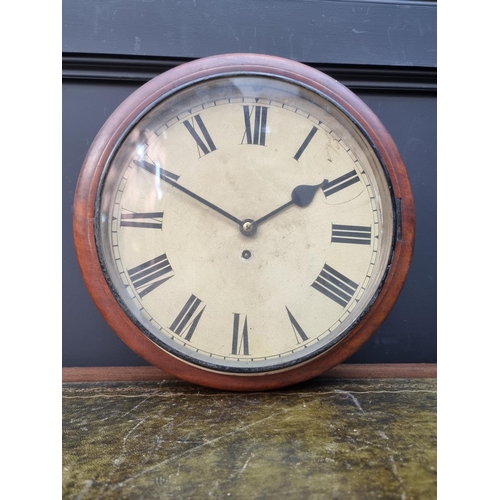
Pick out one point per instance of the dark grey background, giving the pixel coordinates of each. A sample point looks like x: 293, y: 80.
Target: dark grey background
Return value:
x: 385, y: 51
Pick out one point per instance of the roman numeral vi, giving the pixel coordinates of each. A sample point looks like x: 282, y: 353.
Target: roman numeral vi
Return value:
x: 240, y: 336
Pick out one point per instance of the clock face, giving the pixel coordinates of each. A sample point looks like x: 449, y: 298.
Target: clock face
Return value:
x: 244, y: 225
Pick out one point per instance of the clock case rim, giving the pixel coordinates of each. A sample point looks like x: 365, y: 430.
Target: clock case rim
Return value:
x: 114, y: 132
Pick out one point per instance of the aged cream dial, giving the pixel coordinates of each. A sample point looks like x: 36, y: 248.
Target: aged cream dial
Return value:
x: 245, y: 232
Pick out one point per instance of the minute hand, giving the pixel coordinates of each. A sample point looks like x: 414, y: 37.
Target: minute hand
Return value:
x: 301, y: 196
x: 171, y: 179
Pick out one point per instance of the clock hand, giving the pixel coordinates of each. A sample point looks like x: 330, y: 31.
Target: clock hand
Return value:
x: 301, y: 196
x: 171, y: 178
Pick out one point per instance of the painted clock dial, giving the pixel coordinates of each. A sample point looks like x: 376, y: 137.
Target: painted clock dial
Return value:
x: 243, y: 222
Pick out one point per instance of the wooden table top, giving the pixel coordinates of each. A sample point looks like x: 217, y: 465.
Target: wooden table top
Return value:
x: 356, y: 438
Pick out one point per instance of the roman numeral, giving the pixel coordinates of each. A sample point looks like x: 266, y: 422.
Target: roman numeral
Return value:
x: 335, y: 285
x: 150, y: 274
x: 340, y: 183
x: 299, y: 152
x: 151, y: 220
x: 157, y: 171
x: 357, y: 235
x: 240, y: 337
x: 187, y: 320
x: 258, y: 135
x: 300, y: 335
x: 207, y: 145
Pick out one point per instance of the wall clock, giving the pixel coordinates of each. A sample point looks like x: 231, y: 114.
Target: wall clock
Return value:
x: 244, y: 222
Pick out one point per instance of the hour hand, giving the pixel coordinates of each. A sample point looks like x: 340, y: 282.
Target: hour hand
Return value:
x: 304, y: 194
x: 301, y: 196
x: 171, y: 178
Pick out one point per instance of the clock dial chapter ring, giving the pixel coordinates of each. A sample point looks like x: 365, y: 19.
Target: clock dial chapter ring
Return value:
x: 275, y: 301
x: 295, y: 247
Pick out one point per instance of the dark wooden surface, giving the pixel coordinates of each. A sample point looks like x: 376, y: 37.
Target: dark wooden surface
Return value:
x: 327, y: 439
x: 151, y: 373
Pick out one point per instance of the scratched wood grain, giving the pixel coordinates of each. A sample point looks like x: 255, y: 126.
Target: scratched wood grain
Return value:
x: 356, y: 439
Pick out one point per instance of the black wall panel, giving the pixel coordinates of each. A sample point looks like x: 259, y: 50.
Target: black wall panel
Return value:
x: 382, y: 32
x: 385, y: 51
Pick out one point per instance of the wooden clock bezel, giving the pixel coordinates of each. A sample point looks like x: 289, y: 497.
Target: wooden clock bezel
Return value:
x: 232, y: 64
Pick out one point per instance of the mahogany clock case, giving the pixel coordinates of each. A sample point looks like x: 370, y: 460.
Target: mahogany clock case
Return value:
x: 280, y: 68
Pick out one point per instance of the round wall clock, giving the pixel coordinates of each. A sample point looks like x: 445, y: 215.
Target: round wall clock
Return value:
x: 244, y: 222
